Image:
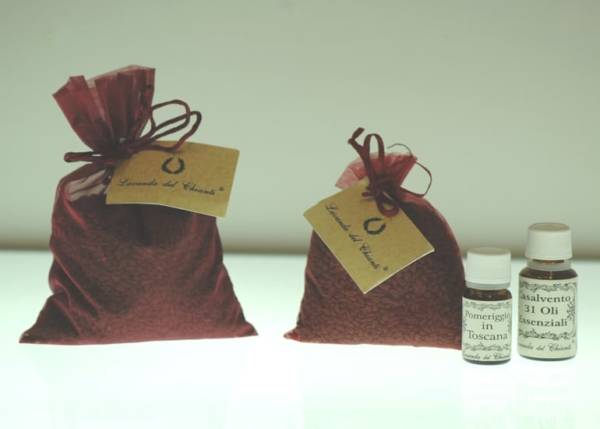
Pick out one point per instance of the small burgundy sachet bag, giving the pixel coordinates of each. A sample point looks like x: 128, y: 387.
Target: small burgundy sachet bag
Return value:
x: 420, y: 305
x: 124, y: 273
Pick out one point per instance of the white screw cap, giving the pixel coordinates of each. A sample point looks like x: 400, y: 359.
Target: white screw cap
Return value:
x: 488, y: 266
x: 549, y: 242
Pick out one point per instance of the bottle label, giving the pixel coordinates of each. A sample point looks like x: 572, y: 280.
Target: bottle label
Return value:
x: 486, y: 330
x: 547, y: 318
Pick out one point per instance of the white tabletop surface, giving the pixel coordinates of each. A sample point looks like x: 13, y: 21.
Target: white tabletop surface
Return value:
x: 269, y: 382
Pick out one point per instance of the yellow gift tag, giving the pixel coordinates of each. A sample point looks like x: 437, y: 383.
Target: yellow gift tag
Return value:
x: 370, y: 246
x: 197, y: 178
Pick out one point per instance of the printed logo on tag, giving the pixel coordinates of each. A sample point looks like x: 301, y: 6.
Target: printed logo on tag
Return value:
x: 197, y: 178
x: 370, y: 246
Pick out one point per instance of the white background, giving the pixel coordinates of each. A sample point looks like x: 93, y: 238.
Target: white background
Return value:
x: 501, y: 100
x: 268, y: 382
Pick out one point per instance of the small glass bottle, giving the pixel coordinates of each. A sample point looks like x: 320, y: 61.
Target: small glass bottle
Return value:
x: 487, y: 307
x: 547, y: 295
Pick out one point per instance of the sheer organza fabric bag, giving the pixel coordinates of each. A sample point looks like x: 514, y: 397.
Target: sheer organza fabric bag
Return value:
x: 420, y: 305
x: 126, y: 273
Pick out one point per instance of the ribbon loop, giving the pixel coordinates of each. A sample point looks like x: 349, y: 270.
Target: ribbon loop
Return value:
x: 127, y: 148
x: 385, y: 183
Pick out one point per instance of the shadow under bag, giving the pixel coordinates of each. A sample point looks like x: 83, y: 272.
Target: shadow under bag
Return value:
x: 132, y: 272
x: 420, y: 305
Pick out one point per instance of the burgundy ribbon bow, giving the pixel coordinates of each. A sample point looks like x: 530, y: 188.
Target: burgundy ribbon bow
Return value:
x: 385, y: 182
x: 126, y: 148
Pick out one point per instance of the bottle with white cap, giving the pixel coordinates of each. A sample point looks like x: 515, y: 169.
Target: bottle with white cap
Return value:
x: 547, y: 295
x: 487, y: 307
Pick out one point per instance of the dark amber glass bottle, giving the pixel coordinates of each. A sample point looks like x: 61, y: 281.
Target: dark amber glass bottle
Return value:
x: 487, y: 307
x: 548, y: 295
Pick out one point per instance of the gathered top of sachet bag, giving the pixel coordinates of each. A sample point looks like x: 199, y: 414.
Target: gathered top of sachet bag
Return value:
x: 124, y: 273
x: 420, y: 305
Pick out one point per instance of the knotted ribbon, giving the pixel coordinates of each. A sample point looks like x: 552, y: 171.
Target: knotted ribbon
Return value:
x: 126, y: 148
x: 385, y: 182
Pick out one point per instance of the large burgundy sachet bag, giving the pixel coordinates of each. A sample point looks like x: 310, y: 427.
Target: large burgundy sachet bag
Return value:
x: 124, y: 273
x: 420, y: 305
